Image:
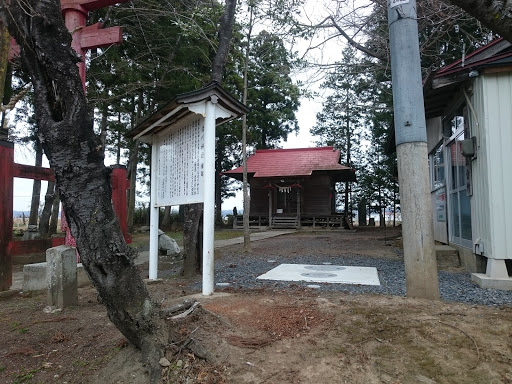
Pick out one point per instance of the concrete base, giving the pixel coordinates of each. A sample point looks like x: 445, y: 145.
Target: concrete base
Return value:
x: 485, y: 281
x: 323, y: 274
x: 34, y: 277
x: 447, y: 256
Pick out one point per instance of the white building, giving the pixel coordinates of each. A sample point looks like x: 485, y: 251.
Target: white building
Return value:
x: 468, y: 106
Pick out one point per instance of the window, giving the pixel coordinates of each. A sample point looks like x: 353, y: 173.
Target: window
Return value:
x: 459, y: 204
x: 438, y: 170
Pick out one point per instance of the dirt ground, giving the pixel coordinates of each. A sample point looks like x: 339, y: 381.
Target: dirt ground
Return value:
x: 293, y: 335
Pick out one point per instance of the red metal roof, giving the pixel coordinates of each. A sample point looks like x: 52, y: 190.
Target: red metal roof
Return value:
x: 291, y: 162
x: 494, y: 51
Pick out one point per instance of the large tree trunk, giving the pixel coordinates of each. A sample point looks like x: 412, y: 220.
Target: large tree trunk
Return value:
x: 494, y: 14
x: 225, y: 33
x: 65, y: 129
x: 166, y: 221
x: 36, y: 187
x: 192, y: 260
x: 193, y: 214
x: 44, y: 222
x: 54, y: 218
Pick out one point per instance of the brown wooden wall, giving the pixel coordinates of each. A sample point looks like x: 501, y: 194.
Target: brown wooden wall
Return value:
x: 259, y: 198
x: 315, y: 195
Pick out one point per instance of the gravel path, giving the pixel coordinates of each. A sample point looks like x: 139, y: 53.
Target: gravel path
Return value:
x: 241, y: 271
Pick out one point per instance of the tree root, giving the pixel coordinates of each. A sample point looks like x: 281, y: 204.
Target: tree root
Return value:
x: 180, y: 307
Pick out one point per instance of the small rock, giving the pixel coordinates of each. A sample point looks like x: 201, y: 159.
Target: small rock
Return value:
x: 425, y: 380
x: 179, y: 363
x: 164, y: 362
x: 51, y: 309
x: 168, y: 245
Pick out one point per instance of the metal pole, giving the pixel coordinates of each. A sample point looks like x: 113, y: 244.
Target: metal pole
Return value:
x: 153, y: 219
x: 411, y: 140
x: 209, y: 197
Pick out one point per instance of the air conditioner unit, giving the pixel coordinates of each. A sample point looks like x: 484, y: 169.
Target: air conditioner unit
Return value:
x: 468, y: 147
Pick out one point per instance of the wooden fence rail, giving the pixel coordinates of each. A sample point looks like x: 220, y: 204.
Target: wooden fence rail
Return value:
x: 8, y: 171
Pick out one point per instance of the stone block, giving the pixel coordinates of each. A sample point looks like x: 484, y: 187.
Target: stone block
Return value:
x: 61, y: 276
x: 447, y: 256
x: 82, y: 278
x: 34, y: 277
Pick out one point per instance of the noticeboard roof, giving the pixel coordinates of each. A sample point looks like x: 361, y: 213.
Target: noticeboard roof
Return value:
x: 177, y: 109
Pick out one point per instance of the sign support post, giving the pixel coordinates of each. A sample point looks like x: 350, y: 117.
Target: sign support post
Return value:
x: 209, y: 197
x: 153, y: 217
x: 182, y: 137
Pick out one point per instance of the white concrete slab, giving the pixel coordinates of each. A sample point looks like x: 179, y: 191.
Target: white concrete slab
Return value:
x: 323, y: 274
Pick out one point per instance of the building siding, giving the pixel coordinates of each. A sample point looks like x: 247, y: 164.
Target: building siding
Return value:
x: 492, y: 176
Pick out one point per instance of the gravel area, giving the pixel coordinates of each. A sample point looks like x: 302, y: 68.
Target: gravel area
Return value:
x: 241, y: 271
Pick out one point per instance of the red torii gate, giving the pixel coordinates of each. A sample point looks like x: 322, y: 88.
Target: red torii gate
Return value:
x: 8, y: 171
x: 75, y: 13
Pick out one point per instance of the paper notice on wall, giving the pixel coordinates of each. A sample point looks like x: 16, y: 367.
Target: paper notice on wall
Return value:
x: 395, y: 3
x: 180, y: 164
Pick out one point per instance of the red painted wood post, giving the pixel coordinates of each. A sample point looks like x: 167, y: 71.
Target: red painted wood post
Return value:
x: 75, y: 17
x: 6, y: 212
x: 119, y: 185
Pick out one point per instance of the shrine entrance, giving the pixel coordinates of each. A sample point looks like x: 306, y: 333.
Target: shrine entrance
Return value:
x: 286, y: 201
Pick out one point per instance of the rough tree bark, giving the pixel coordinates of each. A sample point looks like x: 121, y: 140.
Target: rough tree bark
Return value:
x: 192, y: 261
x: 65, y: 129
x: 494, y: 14
x: 166, y: 220
x: 54, y: 218
x: 36, y: 187
x: 224, y: 36
x: 44, y: 221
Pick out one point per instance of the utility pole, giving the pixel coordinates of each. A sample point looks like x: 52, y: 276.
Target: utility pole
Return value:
x: 247, y: 201
x: 412, y: 154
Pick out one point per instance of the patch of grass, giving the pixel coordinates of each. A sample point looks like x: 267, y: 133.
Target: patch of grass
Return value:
x: 23, y: 330
x: 80, y: 363
x: 340, y: 349
x: 178, y: 236
x: 142, y: 239
x: 225, y: 234
x: 15, y: 325
x: 2, y: 367
x: 25, y: 376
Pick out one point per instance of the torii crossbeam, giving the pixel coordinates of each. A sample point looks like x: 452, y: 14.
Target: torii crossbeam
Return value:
x: 85, y: 37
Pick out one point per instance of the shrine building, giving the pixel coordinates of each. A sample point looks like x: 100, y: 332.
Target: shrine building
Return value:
x: 290, y: 188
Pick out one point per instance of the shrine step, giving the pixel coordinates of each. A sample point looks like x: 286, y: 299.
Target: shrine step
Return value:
x: 284, y: 222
